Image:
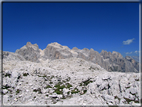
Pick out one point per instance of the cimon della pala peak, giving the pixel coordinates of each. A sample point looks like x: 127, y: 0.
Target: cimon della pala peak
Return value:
x: 58, y: 75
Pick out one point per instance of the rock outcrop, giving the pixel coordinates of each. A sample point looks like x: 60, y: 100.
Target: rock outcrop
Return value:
x: 30, y: 52
x: 9, y: 56
x: 72, y: 81
x: 116, y: 62
x: 136, y: 58
x: 57, y: 51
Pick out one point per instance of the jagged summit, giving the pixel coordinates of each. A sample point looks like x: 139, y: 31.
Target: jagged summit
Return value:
x: 117, y: 54
x: 110, y: 61
x: 55, y: 44
x: 75, y: 48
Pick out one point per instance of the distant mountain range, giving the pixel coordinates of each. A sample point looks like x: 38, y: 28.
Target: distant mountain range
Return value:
x: 110, y: 61
x: 136, y: 58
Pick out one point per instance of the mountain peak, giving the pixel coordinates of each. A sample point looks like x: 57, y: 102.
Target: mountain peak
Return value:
x: 55, y: 43
x: 28, y: 44
x: 117, y: 54
x: 75, y: 48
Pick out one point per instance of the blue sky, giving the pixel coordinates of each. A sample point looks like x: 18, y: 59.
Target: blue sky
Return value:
x: 101, y: 26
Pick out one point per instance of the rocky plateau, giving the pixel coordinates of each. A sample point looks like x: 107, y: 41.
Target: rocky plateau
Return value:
x: 59, y: 75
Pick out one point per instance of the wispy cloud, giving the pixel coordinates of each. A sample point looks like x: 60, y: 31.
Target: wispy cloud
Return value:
x: 128, y: 52
x: 136, y: 52
x: 129, y: 41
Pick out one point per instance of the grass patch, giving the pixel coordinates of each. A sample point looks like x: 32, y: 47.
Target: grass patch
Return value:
x: 19, y: 77
x: 85, y: 83
x: 37, y: 90
x: 84, y: 91
x: 42, y: 76
x: 52, y: 76
x: 75, y: 91
x: 7, y: 75
x: 91, y: 68
x: 58, y: 91
x: 59, y: 87
x: 6, y: 86
x: 68, y: 79
x: 51, y: 82
x: 68, y: 85
x: 48, y: 86
x: 18, y: 91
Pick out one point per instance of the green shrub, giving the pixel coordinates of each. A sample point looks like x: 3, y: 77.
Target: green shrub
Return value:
x: 68, y: 79
x: 75, y: 91
x: 37, y: 90
x: 18, y: 91
x: 58, y: 84
x: 85, y: 83
x: 91, y: 68
x: 7, y: 75
x: 68, y: 85
x: 6, y: 86
x: 25, y: 74
x: 51, y: 82
x: 84, y: 91
x: 58, y: 92
x: 41, y: 75
x: 48, y: 86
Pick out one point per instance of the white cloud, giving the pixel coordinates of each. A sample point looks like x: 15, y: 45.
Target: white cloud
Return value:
x: 128, y: 52
x: 136, y: 52
x: 129, y: 41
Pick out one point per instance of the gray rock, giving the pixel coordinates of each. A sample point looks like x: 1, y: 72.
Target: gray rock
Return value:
x: 136, y: 58
x: 75, y: 49
x: 113, y: 62
x: 56, y: 51
x: 109, y: 99
x: 30, y: 52
x: 8, y: 56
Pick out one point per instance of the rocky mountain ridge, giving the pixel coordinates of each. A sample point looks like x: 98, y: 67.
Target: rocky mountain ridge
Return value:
x: 110, y: 61
x: 58, y: 75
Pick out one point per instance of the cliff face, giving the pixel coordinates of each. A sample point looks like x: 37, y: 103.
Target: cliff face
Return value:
x: 116, y: 62
x: 110, y: 61
x: 30, y: 52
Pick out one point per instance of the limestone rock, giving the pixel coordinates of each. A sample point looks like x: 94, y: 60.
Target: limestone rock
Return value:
x: 30, y: 52
x: 67, y: 81
x: 8, y: 56
x: 56, y: 51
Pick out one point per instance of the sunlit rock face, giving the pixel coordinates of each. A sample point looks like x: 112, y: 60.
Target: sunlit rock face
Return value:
x: 70, y: 81
x: 57, y: 51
